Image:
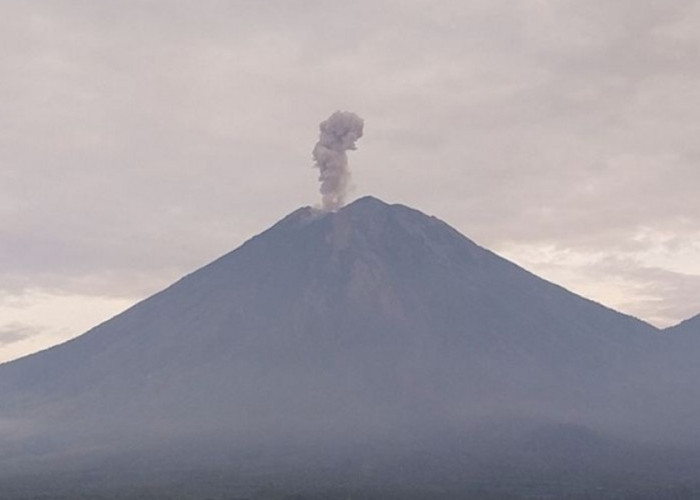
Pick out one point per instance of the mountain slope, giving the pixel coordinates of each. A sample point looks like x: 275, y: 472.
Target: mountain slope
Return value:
x: 690, y: 326
x: 682, y: 350
x: 376, y: 320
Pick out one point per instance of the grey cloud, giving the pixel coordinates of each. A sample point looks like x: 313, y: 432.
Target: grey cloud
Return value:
x: 659, y: 296
x: 16, y: 332
x: 664, y: 297
x: 675, y: 296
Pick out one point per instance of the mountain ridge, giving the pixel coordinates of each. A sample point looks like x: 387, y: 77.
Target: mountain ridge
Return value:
x: 691, y: 324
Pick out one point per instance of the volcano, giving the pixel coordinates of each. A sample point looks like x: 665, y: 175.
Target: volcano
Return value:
x: 375, y: 327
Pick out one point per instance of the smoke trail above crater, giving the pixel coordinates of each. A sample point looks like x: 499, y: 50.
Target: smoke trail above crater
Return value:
x: 338, y: 135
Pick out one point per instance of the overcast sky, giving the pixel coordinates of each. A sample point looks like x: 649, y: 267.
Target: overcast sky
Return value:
x: 141, y: 139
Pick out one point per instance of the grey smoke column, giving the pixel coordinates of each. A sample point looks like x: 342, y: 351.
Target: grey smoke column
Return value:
x: 338, y: 134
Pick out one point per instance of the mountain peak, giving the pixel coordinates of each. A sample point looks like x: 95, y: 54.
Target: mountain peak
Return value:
x: 367, y: 206
x: 367, y: 200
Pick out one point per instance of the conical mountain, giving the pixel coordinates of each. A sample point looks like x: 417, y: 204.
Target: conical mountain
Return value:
x: 373, y: 321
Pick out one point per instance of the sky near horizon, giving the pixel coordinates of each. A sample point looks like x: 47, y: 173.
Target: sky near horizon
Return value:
x: 140, y: 140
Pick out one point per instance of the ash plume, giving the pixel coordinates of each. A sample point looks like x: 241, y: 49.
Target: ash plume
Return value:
x: 338, y: 134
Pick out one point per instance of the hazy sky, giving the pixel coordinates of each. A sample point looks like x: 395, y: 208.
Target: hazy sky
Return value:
x: 141, y: 139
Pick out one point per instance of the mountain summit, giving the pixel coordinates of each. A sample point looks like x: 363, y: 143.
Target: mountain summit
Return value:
x: 369, y: 324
